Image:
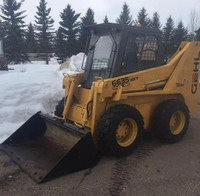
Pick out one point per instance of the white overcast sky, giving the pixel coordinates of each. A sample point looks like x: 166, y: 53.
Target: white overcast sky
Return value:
x: 179, y: 9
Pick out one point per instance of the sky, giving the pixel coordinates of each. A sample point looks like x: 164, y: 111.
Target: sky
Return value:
x: 179, y: 9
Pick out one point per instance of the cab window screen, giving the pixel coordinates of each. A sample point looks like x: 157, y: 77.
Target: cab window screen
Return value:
x: 147, y: 54
x: 140, y: 53
x: 130, y: 60
x: 102, y: 53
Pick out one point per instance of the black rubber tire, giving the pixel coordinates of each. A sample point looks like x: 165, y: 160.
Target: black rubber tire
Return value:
x: 105, y: 134
x: 162, y: 120
x: 59, y: 108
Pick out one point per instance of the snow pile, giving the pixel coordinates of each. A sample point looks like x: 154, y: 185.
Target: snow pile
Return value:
x: 77, y: 60
x: 30, y: 88
x: 73, y: 65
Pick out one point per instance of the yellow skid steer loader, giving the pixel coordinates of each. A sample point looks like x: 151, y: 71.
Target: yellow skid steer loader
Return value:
x: 126, y: 89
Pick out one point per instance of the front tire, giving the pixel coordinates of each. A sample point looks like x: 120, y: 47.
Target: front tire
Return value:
x: 171, y: 121
x: 59, y: 108
x: 119, y: 130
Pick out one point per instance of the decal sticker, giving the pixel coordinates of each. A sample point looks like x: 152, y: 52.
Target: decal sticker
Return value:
x: 179, y: 84
x: 123, y: 82
x: 195, y: 75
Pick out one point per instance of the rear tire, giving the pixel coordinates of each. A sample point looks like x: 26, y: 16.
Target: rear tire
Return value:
x: 59, y: 108
x: 171, y: 121
x: 119, y: 130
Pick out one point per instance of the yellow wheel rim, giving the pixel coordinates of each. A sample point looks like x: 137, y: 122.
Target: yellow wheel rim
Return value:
x: 127, y: 131
x: 177, y: 122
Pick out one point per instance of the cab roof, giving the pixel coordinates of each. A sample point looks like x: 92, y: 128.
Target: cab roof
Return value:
x: 108, y: 27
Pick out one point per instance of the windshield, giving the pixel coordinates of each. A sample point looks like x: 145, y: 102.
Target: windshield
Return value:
x: 103, y: 49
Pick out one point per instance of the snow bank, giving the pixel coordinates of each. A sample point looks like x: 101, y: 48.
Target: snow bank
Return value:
x: 30, y: 88
x: 76, y: 62
x: 73, y: 65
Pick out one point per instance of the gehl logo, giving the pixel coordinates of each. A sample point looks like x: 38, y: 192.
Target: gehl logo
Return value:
x: 195, y: 75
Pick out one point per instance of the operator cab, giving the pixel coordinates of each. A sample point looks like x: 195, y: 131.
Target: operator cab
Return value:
x: 116, y: 50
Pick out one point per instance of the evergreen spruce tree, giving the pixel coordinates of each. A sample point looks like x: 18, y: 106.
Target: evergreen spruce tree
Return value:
x: 88, y: 19
x: 1, y: 30
x: 168, y: 30
x: 168, y: 35
x: 14, y: 41
x: 125, y: 17
x: 44, y: 27
x: 180, y: 34
x: 191, y: 37
x: 155, y: 22
x: 70, y: 28
x: 105, y: 20
x: 60, y: 44
x: 198, y: 34
x: 31, y: 43
x: 143, y: 18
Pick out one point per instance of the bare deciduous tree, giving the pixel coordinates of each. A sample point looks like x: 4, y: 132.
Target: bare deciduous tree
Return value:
x: 194, y: 21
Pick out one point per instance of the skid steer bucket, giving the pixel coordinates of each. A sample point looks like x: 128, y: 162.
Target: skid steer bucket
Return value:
x: 45, y: 148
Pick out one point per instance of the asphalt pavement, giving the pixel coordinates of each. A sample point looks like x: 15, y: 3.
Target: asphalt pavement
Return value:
x: 153, y: 169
